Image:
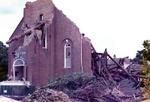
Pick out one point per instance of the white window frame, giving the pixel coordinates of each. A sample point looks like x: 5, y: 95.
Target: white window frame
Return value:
x: 17, y: 65
x: 67, y: 61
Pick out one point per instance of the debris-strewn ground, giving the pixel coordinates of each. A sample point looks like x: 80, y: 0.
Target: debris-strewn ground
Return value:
x: 111, y: 82
x: 47, y: 95
x: 82, y: 88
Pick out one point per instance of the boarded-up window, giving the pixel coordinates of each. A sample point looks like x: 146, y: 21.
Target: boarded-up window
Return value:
x: 67, y: 54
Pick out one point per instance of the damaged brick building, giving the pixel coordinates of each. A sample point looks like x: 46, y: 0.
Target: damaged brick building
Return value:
x: 46, y: 44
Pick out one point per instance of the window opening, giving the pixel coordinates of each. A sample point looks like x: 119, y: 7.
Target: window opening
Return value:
x: 41, y: 17
x: 67, y: 54
x: 19, y: 69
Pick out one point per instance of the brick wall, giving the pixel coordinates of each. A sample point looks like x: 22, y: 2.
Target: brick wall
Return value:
x: 44, y: 64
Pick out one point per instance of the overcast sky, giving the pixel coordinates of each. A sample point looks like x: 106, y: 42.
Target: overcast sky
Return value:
x: 118, y: 25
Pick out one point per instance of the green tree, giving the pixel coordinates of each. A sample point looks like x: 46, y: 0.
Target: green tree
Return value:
x: 3, y: 61
x: 144, y: 54
x: 146, y: 50
x: 145, y: 59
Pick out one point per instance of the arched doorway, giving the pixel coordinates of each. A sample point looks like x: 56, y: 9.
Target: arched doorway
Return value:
x: 19, y: 69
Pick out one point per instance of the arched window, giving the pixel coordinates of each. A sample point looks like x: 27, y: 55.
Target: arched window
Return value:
x: 67, y: 53
x: 19, y: 69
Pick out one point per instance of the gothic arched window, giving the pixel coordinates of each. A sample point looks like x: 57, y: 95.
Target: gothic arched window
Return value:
x: 67, y: 53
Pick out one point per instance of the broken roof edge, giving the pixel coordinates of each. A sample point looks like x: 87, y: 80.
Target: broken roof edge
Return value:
x: 56, y: 9
x: 28, y: 2
x: 64, y: 15
x: 14, y: 32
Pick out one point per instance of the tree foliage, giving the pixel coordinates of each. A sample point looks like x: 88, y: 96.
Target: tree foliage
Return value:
x: 144, y: 54
x: 146, y: 50
x: 143, y: 58
x: 3, y: 61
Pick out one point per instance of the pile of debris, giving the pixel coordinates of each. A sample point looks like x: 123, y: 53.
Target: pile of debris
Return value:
x: 47, y: 95
x: 113, y: 81
x: 121, y: 77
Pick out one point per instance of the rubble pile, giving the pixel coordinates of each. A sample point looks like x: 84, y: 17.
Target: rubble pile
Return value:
x: 113, y: 81
x: 47, y: 95
x: 101, y: 92
x: 121, y: 77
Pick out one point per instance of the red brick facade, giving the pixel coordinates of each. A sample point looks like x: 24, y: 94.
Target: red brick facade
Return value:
x: 39, y: 41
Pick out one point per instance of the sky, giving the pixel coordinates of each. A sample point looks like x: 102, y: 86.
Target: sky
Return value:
x: 121, y: 26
